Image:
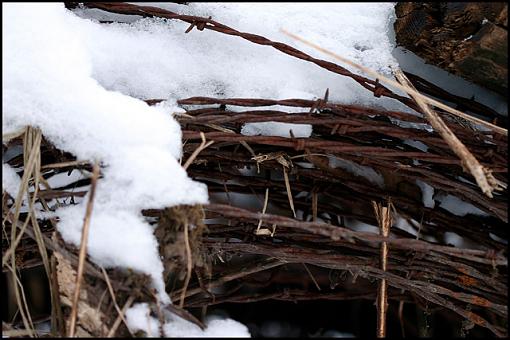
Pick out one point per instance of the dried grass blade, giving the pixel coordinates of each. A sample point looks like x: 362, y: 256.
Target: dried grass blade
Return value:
x: 289, y: 193
x: 6, y: 137
x: 483, y: 176
x: 189, y: 265
x: 120, y: 318
x: 112, y: 331
x: 266, y: 199
x: 21, y: 300
x: 195, y: 153
x: 383, y: 215
x: 83, y: 250
x: 399, y: 86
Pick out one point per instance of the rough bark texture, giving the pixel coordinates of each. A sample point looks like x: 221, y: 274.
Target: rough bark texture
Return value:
x: 467, y: 39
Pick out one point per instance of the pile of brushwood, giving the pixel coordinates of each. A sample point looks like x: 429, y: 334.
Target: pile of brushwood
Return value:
x: 289, y: 218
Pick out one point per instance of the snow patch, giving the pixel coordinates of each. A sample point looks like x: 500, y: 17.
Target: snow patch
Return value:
x: 10, y: 180
x: 427, y: 193
x: 358, y: 170
x: 457, y: 206
x: 64, y: 178
x: 277, y: 129
x: 49, y: 84
x: 416, y: 144
x: 155, y: 59
x: 138, y: 318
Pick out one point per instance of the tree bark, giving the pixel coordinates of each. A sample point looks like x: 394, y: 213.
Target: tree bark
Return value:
x: 467, y: 39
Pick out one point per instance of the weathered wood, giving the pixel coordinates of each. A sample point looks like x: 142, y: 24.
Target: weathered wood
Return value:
x: 467, y: 39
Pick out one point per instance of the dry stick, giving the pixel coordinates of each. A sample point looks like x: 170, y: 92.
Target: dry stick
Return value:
x: 483, y: 176
x: 383, y: 215
x: 266, y: 199
x: 83, y: 249
x: 120, y: 318
x: 274, y: 230
x: 257, y: 267
x: 311, y: 276
x: 21, y: 300
x: 161, y: 317
x: 59, y: 319
x: 10, y: 252
x: 195, y: 153
x: 111, y: 333
x: 181, y: 312
x: 64, y: 164
x: 287, y: 295
x: 98, y: 308
x: 6, y: 137
x: 31, y: 149
x: 30, y: 156
x: 37, y: 135
x: 189, y: 264
x: 314, y: 205
x: 224, y: 129
x: 336, y: 233
x: 289, y: 193
x: 401, y: 317
x: 56, y: 313
x: 13, y: 333
x: 400, y: 87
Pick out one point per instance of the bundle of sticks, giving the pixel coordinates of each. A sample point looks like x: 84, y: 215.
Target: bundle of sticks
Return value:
x: 313, y: 203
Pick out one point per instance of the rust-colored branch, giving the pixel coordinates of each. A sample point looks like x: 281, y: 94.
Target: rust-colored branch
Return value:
x: 383, y: 215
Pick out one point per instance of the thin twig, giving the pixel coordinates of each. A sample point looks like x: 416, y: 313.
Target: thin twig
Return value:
x: 311, y: 276
x: 401, y: 317
x: 120, y: 318
x: 30, y: 155
x: 83, y: 249
x: 64, y: 164
x: 6, y: 137
x: 58, y: 323
x: 224, y: 129
x: 161, y: 317
x: 266, y: 199
x: 336, y: 233
x: 21, y: 301
x: 236, y: 274
x: 483, y: 176
x: 195, y: 153
x: 289, y: 192
x: 37, y: 135
x: 189, y: 265
x: 383, y: 215
x: 112, y: 331
x: 314, y: 205
x: 399, y: 86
